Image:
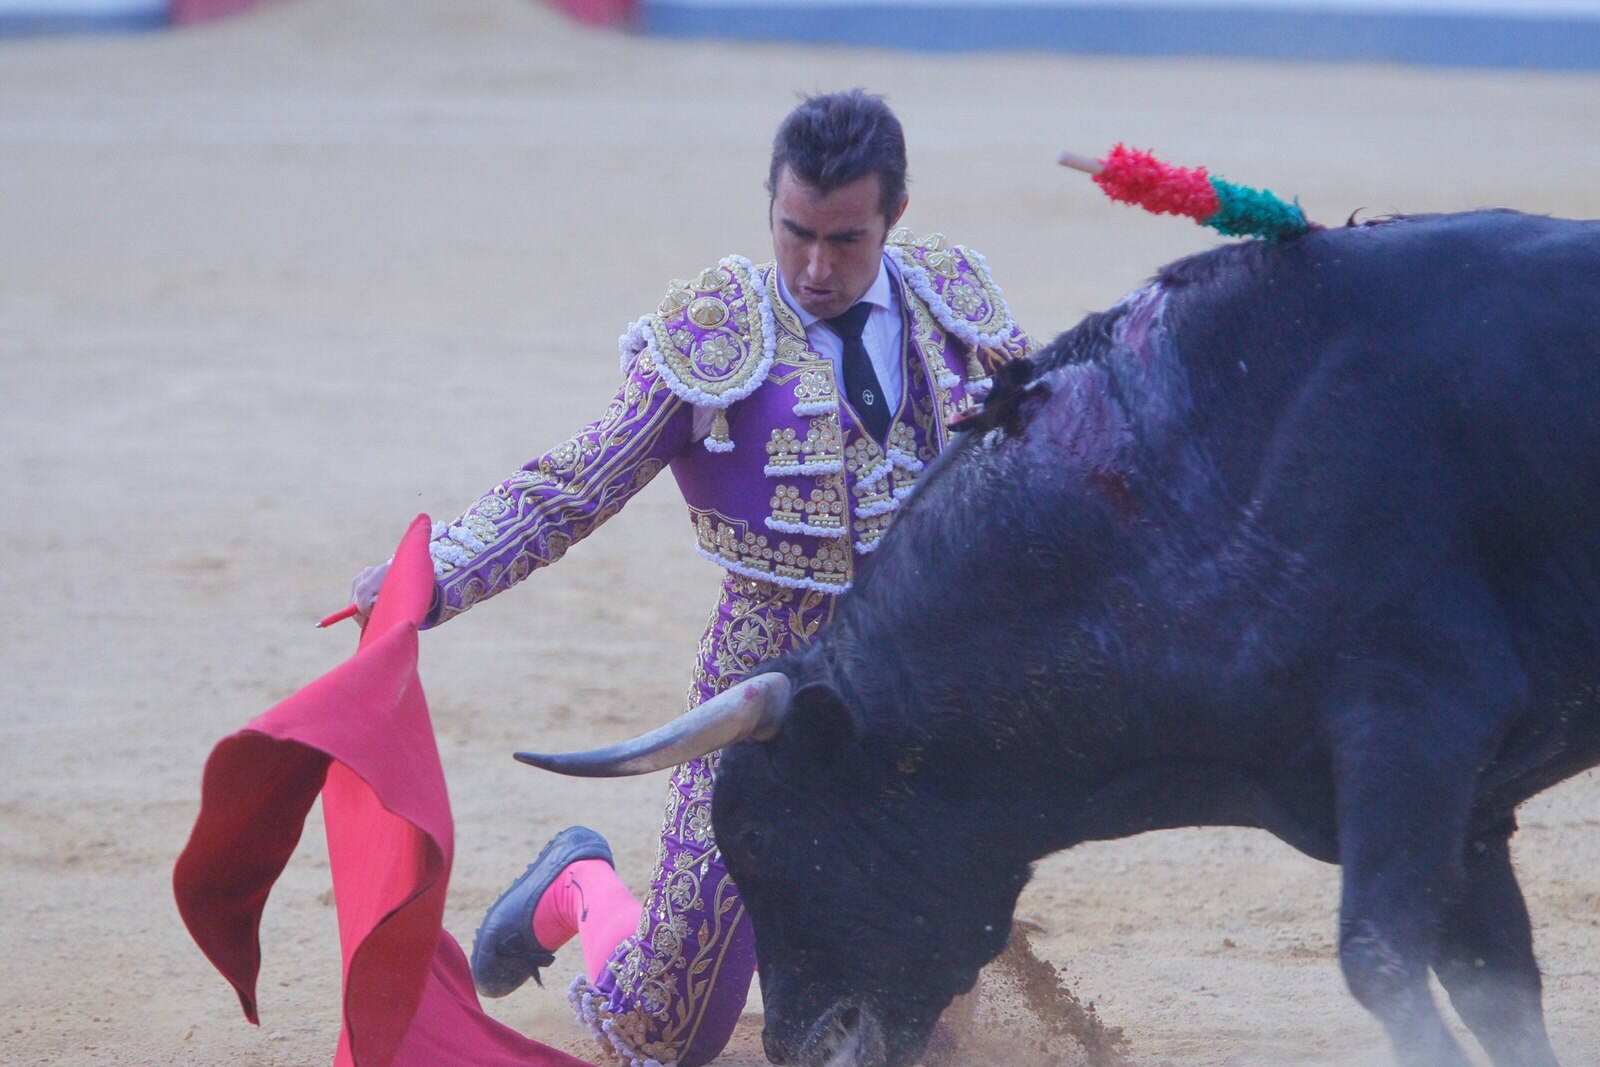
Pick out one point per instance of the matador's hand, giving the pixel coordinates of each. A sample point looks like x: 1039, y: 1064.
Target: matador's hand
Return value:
x: 364, y: 590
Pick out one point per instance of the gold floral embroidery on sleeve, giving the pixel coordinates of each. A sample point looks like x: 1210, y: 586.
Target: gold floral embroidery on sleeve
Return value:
x: 534, y: 516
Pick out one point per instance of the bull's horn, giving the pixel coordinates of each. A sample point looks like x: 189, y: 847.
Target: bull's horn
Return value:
x: 749, y: 711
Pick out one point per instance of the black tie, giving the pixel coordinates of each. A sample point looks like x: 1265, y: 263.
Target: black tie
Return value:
x: 860, y: 381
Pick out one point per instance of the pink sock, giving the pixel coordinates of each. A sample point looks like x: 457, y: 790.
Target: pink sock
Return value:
x: 588, y: 899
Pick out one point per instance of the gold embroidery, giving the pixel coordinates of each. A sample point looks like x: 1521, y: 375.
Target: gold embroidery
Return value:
x: 785, y: 448
x: 903, y: 480
x: 816, y: 385
x: 723, y: 361
x: 720, y: 353
x: 930, y: 340
x: 971, y: 294
x: 708, y: 313
x: 822, y: 508
x: 792, y: 350
x: 712, y: 280
x: 870, y: 529
x: 783, y: 315
x: 492, y: 507
x: 903, y: 438
x: 786, y: 503
x: 940, y: 259
x: 670, y: 996
x: 930, y: 427
x: 962, y: 296
x: 764, y: 622
x: 732, y: 542
x: 926, y: 332
x: 677, y: 298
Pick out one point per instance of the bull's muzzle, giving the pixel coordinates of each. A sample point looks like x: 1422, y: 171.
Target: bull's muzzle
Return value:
x: 844, y: 1037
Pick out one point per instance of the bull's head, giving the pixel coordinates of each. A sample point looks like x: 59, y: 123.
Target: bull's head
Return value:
x: 875, y: 900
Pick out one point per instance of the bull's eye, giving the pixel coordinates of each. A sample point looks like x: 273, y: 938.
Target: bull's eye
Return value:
x: 755, y: 844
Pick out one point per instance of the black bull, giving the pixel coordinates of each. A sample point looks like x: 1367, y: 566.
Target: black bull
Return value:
x: 1303, y: 537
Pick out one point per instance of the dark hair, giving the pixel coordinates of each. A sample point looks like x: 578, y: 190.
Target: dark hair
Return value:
x: 832, y: 139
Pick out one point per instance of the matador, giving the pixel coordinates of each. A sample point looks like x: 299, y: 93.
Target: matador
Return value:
x: 796, y: 402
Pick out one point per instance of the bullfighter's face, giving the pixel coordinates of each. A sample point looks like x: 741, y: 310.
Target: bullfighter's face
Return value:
x: 829, y: 246
x: 871, y: 909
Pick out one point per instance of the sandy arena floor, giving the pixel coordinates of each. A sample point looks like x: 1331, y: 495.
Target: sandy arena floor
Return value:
x: 270, y: 288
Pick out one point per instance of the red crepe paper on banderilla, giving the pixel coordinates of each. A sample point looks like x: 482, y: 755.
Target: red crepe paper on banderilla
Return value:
x: 360, y: 736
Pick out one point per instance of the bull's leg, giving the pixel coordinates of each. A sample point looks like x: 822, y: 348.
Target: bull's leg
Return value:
x: 1402, y: 819
x: 1485, y: 960
x: 1418, y: 713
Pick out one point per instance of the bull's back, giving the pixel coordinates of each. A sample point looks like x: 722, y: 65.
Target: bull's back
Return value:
x: 1407, y: 376
x: 1336, y: 421
x: 1436, y: 460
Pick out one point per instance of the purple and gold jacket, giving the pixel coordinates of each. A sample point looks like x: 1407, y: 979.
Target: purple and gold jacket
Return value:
x: 786, y: 487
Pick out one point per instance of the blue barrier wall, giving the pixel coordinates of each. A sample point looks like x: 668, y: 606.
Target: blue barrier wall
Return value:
x: 1553, y: 36
x: 24, y: 18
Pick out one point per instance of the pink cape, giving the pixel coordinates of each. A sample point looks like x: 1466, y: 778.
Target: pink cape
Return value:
x: 361, y: 737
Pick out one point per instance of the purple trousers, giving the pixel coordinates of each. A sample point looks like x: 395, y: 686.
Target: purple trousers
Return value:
x: 672, y: 993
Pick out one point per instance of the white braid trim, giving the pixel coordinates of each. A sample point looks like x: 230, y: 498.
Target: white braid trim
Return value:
x: 769, y: 322
x: 767, y: 576
x: 878, y: 473
x: 916, y: 276
x: 582, y: 996
x: 713, y: 445
x: 785, y: 526
x: 635, y: 339
x: 819, y: 407
x: 810, y: 466
x: 905, y: 460
x: 894, y: 458
x: 451, y: 546
x: 867, y: 549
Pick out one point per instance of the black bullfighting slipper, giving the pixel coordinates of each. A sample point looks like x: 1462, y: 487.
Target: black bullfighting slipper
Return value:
x: 505, y: 953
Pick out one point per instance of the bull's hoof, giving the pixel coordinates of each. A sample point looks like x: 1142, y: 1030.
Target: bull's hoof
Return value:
x: 505, y: 953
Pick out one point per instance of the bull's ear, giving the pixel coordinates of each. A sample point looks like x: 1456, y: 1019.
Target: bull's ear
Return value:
x: 819, y: 726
